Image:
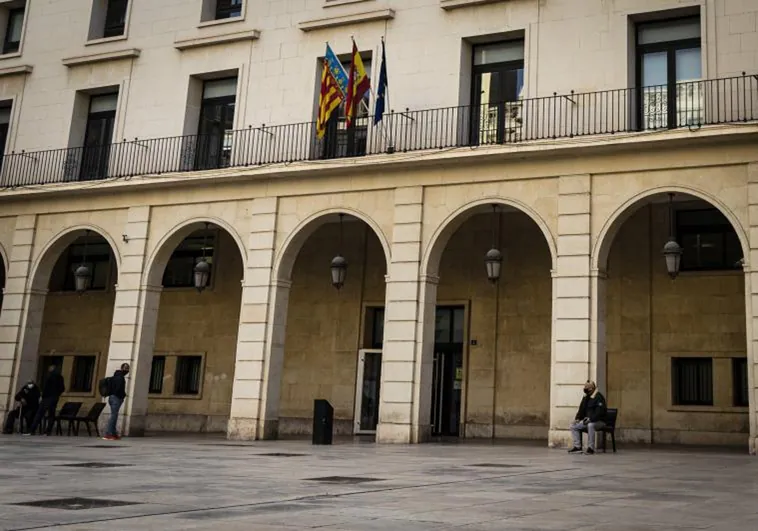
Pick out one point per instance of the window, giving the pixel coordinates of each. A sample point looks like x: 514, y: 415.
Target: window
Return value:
x: 374, y: 328
x: 5, y: 120
x: 339, y: 141
x: 115, y: 18
x: 157, y: 370
x: 82, y: 374
x: 215, y: 130
x: 44, y: 364
x: 92, y: 251
x: 179, y: 272
x: 497, y: 84
x: 98, y: 136
x: 692, y: 381
x: 448, y: 328
x: 740, y: 394
x: 668, y: 71
x: 188, y: 371
x: 708, y: 241
x: 228, y: 9
x: 13, y: 29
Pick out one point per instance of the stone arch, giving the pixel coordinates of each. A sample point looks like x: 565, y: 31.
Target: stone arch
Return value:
x: 433, y: 253
x: 157, y: 261
x: 607, y: 234
x: 45, y: 262
x: 285, y: 258
x: 4, y: 258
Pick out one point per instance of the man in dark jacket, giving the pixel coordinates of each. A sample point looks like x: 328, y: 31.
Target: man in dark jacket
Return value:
x: 589, y: 418
x: 52, y: 390
x: 115, y: 400
x: 28, y: 403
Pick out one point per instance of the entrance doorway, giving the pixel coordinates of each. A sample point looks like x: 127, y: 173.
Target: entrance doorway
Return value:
x: 369, y: 377
x: 447, y: 371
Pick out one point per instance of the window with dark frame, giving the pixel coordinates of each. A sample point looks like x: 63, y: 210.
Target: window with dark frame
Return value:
x: 82, y: 374
x: 708, y: 240
x: 496, y: 88
x: 98, y: 136
x: 96, y: 255
x: 375, y: 328
x: 740, y: 393
x: 115, y: 18
x: 669, y: 66
x: 13, y: 30
x: 44, y: 363
x: 157, y: 371
x: 216, y: 127
x: 339, y: 141
x: 180, y: 269
x: 188, y: 375
x: 692, y: 381
x: 228, y: 9
x: 5, y: 121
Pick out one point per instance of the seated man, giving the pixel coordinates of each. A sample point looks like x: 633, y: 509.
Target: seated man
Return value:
x: 27, y: 400
x: 589, y: 418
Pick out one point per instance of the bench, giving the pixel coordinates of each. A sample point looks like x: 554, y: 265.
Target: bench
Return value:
x: 609, y: 428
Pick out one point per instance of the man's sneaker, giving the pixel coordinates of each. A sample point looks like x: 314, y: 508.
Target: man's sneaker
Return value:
x: 575, y: 450
x: 590, y: 451
x: 109, y: 438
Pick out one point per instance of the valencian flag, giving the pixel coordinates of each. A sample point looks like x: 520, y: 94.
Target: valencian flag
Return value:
x: 333, y: 88
x: 381, y: 92
x: 357, y: 85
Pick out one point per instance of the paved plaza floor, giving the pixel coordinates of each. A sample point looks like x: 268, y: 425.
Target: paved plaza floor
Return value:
x: 198, y: 483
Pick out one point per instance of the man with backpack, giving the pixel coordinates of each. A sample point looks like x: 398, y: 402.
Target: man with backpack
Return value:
x: 115, y: 389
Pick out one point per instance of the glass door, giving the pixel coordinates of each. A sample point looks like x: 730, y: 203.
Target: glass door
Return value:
x: 447, y: 372
x: 669, y: 63
x: 215, y: 130
x: 98, y: 137
x: 369, y: 381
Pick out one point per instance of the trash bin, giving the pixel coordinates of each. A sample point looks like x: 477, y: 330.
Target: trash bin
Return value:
x: 323, y: 421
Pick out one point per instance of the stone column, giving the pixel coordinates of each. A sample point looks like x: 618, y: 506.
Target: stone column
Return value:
x: 572, y: 362
x: 135, y: 316
x: 751, y: 306
x: 20, y: 306
x: 260, y: 339
x: 399, y: 413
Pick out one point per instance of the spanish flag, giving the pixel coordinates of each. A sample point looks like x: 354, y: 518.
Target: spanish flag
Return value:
x: 330, y: 97
x: 357, y: 85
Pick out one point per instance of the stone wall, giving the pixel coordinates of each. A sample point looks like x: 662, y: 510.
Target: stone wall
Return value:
x: 200, y: 323
x: 521, y: 389
x: 324, y: 326
x: 650, y: 319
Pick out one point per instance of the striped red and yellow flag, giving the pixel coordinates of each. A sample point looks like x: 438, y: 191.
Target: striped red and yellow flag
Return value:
x: 329, y: 99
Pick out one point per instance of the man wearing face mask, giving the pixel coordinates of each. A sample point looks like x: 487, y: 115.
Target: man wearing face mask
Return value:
x: 590, y: 418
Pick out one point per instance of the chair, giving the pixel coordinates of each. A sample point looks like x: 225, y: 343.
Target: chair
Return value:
x: 68, y: 413
x: 610, y: 428
x: 91, y: 417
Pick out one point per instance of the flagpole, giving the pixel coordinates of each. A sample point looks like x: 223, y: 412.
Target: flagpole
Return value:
x: 387, y: 107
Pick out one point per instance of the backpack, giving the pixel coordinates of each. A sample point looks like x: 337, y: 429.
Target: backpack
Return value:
x: 104, y: 386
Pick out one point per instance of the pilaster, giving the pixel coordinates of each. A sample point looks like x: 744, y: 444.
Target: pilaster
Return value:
x: 751, y: 305
x: 16, y: 309
x: 573, y: 359
x: 400, y: 396
x: 260, y: 338
x: 135, y: 316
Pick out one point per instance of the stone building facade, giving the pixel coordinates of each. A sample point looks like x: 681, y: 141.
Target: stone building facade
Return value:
x: 586, y: 133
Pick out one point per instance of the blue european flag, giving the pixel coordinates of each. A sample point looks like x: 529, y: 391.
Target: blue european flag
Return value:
x: 381, y: 94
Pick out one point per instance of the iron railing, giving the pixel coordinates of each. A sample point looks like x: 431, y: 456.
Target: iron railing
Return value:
x: 560, y: 116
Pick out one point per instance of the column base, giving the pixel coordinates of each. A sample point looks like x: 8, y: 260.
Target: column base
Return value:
x: 249, y: 429
x: 559, y: 439
x: 131, y: 425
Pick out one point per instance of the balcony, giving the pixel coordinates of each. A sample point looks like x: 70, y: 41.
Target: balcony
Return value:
x: 689, y: 105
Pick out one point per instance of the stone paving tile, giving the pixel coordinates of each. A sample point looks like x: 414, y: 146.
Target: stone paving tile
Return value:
x: 199, y: 483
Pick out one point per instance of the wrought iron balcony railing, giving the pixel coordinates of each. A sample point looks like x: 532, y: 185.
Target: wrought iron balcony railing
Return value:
x: 685, y: 105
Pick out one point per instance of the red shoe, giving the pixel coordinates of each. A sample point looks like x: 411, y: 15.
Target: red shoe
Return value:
x: 109, y: 438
